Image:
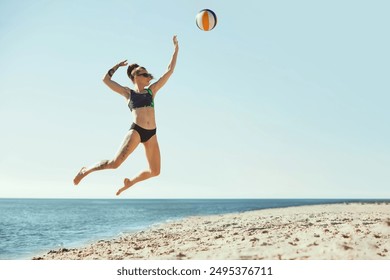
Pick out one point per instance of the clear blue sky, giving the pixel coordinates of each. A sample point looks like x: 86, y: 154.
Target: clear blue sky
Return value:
x: 282, y: 99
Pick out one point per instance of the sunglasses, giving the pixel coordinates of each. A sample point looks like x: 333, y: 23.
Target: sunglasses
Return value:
x: 146, y: 75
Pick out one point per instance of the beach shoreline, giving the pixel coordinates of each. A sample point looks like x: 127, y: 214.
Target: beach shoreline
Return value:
x: 344, y: 231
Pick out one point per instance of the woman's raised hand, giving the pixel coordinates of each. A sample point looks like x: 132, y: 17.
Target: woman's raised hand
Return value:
x: 175, y: 42
x: 122, y: 63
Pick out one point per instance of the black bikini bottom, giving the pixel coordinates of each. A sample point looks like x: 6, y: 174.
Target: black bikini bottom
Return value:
x: 145, y: 134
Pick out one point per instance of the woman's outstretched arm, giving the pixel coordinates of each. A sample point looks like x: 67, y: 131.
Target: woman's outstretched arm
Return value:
x: 114, y: 85
x: 171, y: 67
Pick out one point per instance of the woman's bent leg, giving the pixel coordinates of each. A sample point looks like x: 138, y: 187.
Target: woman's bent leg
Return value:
x: 152, y: 151
x: 129, y: 144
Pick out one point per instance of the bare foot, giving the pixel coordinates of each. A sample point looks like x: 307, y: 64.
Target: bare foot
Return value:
x: 127, y: 185
x: 79, y: 176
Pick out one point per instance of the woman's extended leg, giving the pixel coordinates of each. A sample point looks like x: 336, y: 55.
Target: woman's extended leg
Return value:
x: 152, y: 151
x: 129, y: 144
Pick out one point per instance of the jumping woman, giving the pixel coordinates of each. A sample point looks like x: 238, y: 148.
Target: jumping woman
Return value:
x: 143, y: 130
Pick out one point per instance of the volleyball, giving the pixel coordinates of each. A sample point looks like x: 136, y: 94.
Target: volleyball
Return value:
x: 206, y: 20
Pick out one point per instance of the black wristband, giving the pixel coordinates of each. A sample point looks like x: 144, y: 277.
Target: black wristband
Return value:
x: 111, y: 72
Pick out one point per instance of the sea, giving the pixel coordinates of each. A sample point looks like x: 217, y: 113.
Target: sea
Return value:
x: 30, y: 227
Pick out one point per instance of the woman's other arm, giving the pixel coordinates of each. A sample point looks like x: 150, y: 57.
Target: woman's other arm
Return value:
x: 124, y: 91
x: 171, y: 67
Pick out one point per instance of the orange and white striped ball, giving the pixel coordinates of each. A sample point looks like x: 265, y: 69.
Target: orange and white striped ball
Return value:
x: 206, y: 20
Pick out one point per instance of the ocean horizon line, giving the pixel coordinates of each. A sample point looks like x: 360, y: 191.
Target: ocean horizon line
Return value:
x: 186, y: 198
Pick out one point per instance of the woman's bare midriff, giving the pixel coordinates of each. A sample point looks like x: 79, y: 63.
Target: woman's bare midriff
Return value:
x: 145, y: 117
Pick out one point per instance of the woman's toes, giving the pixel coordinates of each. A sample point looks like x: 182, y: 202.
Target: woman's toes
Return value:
x: 79, y: 176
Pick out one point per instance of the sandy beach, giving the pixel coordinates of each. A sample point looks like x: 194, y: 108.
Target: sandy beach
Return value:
x: 321, y: 232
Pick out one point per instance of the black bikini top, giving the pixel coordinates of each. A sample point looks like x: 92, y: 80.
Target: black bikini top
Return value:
x: 139, y: 100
